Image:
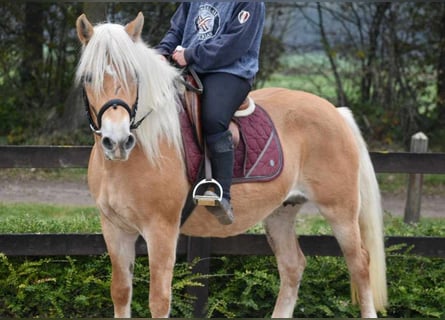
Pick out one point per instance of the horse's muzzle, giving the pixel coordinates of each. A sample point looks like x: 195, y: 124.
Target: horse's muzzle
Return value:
x: 118, y: 150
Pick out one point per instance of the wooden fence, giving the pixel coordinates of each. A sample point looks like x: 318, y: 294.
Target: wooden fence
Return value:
x: 77, y: 157
x: 246, y: 244
x: 85, y: 244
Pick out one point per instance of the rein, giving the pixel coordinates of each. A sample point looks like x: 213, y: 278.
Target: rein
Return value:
x: 199, y: 89
x: 113, y: 103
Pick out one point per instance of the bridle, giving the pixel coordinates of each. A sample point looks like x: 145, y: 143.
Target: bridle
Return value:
x: 113, y: 103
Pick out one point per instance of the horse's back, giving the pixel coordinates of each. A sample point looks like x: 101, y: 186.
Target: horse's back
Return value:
x: 302, y: 115
x: 285, y: 101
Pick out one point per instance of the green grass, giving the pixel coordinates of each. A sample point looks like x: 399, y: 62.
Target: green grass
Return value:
x: 42, y: 218
x: 65, y: 174
x: 311, y: 72
x: 433, y: 184
x: 305, y: 72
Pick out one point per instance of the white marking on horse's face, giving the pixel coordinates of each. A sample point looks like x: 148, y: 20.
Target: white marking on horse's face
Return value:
x: 117, y: 140
x: 110, y: 70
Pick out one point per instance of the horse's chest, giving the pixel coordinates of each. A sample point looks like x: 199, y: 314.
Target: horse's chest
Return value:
x: 120, y: 216
x: 118, y: 210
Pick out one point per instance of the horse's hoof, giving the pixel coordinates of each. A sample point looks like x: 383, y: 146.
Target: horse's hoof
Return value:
x: 223, y: 211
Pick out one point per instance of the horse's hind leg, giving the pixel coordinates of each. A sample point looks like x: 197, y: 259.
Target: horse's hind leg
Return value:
x: 121, y: 248
x: 345, y: 226
x: 280, y: 229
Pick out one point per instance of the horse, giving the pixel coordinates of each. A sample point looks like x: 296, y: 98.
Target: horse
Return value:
x: 137, y: 174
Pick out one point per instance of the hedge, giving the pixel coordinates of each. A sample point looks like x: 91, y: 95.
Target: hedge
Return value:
x: 78, y: 287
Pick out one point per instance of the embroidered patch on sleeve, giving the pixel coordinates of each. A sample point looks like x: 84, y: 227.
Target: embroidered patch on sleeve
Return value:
x: 243, y: 16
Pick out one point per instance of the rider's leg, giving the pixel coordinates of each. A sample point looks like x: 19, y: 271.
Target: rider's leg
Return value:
x: 221, y: 152
x: 223, y: 94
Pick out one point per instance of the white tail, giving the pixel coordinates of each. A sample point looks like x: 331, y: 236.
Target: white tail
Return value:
x: 371, y: 218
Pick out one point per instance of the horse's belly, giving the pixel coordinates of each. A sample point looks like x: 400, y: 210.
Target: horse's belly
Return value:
x: 252, y: 202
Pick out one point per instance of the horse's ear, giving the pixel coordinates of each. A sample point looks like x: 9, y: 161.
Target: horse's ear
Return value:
x: 134, y: 28
x: 84, y: 28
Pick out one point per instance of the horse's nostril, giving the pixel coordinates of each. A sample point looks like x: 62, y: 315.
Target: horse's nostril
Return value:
x: 129, y: 144
x: 107, y: 143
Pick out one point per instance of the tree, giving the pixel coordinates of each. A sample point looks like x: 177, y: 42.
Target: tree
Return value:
x: 387, y: 47
x: 73, y: 113
x: 385, y: 59
x: 341, y: 96
x: 33, y: 41
x: 440, y: 100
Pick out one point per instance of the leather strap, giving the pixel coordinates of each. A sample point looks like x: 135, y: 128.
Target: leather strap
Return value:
x: 207, y: 163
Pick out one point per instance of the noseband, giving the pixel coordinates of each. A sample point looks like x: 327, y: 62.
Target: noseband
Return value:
x: 113, y: 103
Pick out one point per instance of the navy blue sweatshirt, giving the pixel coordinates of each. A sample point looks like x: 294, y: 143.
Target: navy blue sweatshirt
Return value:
x: 218, y: 36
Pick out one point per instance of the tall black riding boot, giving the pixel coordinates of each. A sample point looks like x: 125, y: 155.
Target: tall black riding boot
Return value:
x: 222, y: 157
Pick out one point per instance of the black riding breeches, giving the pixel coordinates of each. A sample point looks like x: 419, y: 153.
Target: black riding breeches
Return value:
x: 223, y: 94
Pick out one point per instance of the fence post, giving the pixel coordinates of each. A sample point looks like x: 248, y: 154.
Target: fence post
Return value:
x: 199, y: 248
x: 419, y: 144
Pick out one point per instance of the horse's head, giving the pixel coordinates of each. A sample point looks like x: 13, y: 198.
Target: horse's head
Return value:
x: 110, y: 83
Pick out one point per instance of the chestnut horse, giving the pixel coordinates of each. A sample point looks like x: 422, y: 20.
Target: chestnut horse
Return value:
x: 137, y: 174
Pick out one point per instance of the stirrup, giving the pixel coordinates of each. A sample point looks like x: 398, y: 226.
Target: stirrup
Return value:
x: 207, y: 200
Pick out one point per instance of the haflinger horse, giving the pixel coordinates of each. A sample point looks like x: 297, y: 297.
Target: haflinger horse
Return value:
x: 137, y: 174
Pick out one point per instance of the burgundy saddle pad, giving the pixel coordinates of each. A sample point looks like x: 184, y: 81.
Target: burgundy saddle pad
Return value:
x: 258, y: 156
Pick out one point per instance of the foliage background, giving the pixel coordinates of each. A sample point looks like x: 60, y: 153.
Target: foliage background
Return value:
x: 240, y: 287
x: 384, y: 60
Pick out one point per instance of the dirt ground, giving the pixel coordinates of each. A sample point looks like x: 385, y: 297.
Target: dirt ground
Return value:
x: 76, y: 194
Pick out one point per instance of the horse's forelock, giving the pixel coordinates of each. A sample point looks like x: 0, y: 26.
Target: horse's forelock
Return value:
x: 109, y: 47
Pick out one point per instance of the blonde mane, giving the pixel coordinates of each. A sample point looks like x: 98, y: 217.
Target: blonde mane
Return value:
x: 158, y: 83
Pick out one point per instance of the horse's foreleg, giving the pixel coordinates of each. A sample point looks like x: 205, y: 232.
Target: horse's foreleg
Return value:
x: 280, y: 229
x: 121, y: 248
x: 161, y: 242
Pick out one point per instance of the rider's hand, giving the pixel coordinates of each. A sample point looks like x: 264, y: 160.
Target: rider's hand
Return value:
x: 178, y: 57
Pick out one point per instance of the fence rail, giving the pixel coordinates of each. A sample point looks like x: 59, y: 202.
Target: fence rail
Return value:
x: 77, y: 157
x: 241, y: 245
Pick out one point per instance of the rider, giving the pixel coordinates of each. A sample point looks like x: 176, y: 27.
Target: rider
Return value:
x: 221, y: 42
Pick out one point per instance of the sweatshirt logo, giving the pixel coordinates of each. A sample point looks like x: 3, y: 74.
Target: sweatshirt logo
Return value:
x: 243, y: 16
x: 207, y: 22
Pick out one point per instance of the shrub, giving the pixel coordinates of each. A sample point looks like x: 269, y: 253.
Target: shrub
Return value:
x: 239, y: 287
x: 78, y: 287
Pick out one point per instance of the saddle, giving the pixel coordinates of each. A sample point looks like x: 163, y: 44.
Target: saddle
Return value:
x: 258, y: 153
